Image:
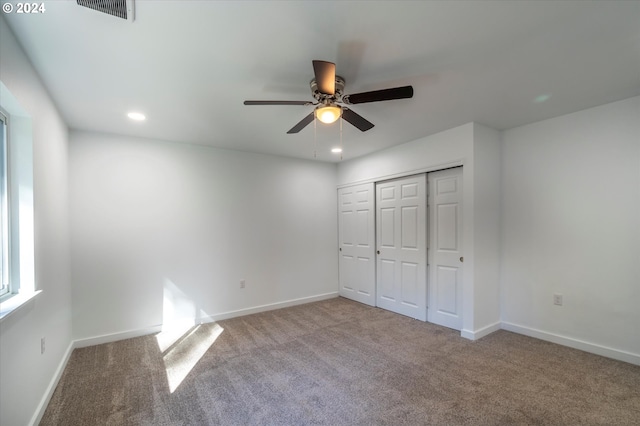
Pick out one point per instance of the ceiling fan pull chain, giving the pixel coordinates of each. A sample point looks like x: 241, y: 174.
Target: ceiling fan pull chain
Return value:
x: 341, y: 146
x: 315, y: 137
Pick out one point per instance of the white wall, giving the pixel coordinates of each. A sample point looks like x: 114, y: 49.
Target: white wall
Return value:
x: 25, y: 374
x: 486, y: 212
x: 445, y: 149
x: 571, y: 225
x: 156, y: 220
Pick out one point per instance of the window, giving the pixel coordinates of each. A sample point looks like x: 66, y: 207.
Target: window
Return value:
x: 17, y: 265
x: 4, y: 207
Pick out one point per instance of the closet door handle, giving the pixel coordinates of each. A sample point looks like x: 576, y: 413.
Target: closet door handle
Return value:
x: 378, y: 252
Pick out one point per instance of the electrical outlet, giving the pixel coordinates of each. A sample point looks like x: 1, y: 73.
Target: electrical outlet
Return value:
x: 557, y: 299
x: 42, y: 341
x: 242, y: 283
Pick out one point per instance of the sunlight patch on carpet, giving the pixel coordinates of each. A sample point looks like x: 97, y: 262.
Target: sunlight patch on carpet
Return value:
x: 181, y: 358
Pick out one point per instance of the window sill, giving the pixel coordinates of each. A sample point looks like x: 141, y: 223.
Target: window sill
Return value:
x: 15, y: 302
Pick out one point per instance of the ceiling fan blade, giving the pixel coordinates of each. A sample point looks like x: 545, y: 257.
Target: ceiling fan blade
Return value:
x: 356, y: 119
x: 277, y: 103
x: 302, y: 124
x: 403, y: 92
x: 325, y: 76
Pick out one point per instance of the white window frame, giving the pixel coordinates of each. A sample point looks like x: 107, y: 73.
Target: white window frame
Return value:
x: 5, y: 201
x: 20, y: 248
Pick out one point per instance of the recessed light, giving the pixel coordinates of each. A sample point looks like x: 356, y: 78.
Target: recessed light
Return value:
x: 137, y: 116
x: 336, y: 150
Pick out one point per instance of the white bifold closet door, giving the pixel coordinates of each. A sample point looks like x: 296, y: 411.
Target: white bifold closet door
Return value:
x: 401, y: 238
x: 445, y: 248
x: 357, y: 243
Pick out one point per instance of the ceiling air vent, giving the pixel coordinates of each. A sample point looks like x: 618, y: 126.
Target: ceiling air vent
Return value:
x: 120, y: 8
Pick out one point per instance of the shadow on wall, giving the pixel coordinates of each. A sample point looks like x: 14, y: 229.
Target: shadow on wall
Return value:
x: 183, y: 340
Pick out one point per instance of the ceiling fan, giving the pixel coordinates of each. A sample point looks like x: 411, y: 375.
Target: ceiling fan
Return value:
x: 327, y: 89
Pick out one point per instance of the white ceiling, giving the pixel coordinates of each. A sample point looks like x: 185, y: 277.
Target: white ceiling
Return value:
x: 189, y: 65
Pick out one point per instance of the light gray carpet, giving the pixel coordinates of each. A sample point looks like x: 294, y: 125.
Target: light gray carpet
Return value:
x: 338, y: 362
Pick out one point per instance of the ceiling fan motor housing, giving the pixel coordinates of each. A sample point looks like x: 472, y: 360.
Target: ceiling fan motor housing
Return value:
x: 325, y: 98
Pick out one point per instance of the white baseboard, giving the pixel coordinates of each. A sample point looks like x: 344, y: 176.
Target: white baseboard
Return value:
x: 270, y: 307
x: 484, y: 331
x: 573, y: 343
x: 37, y: 416
x: 113, y: 337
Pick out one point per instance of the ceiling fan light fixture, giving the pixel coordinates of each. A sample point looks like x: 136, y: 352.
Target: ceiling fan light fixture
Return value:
x: 328, y: 113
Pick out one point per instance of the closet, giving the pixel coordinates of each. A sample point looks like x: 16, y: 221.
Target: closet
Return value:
x: 400, y: 245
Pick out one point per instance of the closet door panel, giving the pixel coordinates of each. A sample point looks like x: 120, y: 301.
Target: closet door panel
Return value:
x: 356, y: 229
x: 402, y: 246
